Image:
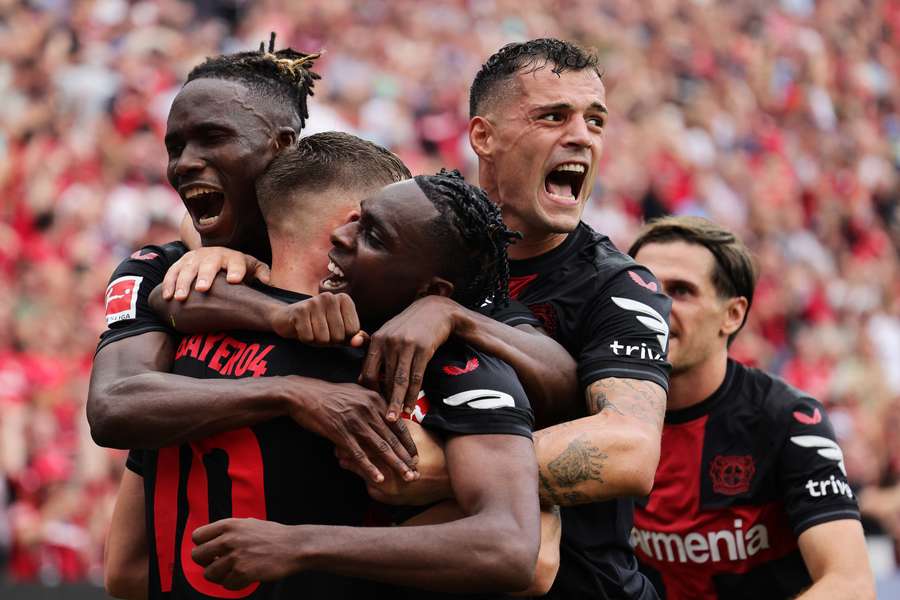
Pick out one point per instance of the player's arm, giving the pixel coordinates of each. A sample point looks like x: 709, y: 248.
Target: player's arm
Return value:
x: 838, y: 570
x: 433, y: 485
x: 611, y: 453
x: 820, y: 505
x: 135, y: 405
x: 614, y: 451
x: 125, y: 564
x: 402, y: 348
x: 495, y: 544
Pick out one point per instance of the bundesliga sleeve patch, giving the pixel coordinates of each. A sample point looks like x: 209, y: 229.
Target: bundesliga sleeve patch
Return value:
x: 121, y: 298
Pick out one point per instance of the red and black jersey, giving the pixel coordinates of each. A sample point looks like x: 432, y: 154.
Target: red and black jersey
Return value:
x: 128, y: 311
x: 608, y: 312
x: 279, y: 472
x: 741, y: 476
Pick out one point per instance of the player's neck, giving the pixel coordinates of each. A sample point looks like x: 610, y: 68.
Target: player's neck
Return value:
x: 695, y: 385
x: 534, y: 244
x: 298, y: 264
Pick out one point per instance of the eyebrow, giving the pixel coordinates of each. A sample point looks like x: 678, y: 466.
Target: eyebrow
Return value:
x: 369, y: 218
x: 203, y: 125
x: 566, y: 106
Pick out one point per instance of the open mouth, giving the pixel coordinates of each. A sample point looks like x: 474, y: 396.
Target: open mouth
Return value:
x: 205, y: 204
x: 335, y: 282
x: 565, y: 181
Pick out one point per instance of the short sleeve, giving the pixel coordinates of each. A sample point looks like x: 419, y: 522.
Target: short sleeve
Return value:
x: 811, y: 472
x: 128, y: 311
x: 135, y: 462
x: 627, y: 331
x: 469, y: 392
x: 512, y: 313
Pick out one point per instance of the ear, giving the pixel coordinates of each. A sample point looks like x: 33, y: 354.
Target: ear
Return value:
x: 481, y: 137
x: 285, y: 137
x: 351, y: 216
x: 438, y: 286
x: 735, y: 310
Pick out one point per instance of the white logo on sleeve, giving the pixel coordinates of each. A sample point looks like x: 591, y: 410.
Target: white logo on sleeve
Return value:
x: 122, y: 297
x: 826, y: 448
x: 651, y: 319
x: 481, y: 399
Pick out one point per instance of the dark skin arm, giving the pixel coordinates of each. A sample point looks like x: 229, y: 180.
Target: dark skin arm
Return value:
x: 125, y: 556
x: 495, y: 545
x: 400, y: 350
x: 133, y: 403
x: 405, y: 344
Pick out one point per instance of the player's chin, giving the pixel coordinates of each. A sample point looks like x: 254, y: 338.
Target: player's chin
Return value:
x: 562, y: 221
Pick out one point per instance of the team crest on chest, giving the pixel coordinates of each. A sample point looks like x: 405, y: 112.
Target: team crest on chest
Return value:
x: 731, y: 475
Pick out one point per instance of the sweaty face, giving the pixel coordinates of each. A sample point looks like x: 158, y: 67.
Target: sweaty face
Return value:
x: 698, y: 313
x: 547, y: 140
x: 219, y: 141
x: 384, y: 257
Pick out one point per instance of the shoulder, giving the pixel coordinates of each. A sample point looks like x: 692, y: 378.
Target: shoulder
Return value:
x: 774, y: 396
x: 150, y: 259
x: 600, y: 252
x: 458, y: 363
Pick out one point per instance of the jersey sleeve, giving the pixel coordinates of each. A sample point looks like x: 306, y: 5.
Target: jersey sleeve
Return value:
x: 512, y: 314
x: 128, y: 311
x: 468, y: 392
x: 627, y: 330
x: 135, y: 462
x: 811, y: 472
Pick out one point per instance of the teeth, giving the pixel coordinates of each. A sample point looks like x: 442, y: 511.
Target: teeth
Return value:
x: 335, y: 269
x: 207, y: 220
x: 574, y: 167
x: 199, y: 190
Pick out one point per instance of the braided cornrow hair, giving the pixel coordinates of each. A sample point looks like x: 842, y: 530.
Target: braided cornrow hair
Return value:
x: 476, y: 232
x: 282, y: 74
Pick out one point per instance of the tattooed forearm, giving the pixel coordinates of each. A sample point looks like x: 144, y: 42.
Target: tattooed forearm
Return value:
x: 643, y: 400
x: 548, y: 495
x: 580, y: 462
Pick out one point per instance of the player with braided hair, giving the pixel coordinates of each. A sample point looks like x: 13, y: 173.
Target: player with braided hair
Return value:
x: 472, y: 215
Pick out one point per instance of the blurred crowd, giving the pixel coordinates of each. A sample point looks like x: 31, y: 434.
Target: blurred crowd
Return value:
x: 780, y: 119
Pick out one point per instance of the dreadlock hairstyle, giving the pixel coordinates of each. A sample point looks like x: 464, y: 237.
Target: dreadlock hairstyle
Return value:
x: 282, y: 74
x: 469, y: 226
x: 526, y: 57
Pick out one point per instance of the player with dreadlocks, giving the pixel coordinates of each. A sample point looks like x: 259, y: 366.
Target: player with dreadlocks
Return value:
x: 433, y: 235
x: 226, y: 124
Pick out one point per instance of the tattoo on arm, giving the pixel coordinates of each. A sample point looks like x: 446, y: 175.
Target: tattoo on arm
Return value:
x: 643, y: 400
x: 578, y: 463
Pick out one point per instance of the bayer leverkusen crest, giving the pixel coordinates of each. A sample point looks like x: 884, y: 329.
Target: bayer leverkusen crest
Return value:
x: 731, y: 475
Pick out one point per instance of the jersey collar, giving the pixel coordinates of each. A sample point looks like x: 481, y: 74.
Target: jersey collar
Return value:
x: 552, y: 258
x: 704, y: 408
x: 279, y: 293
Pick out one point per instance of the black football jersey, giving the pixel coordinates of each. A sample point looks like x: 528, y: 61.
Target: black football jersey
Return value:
x: 609, y: 313
x: 128, y: 311
x: 742, y: 475
x: 279, y: 472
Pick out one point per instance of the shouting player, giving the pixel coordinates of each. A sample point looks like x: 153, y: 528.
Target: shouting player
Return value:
x: 751, y: 498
